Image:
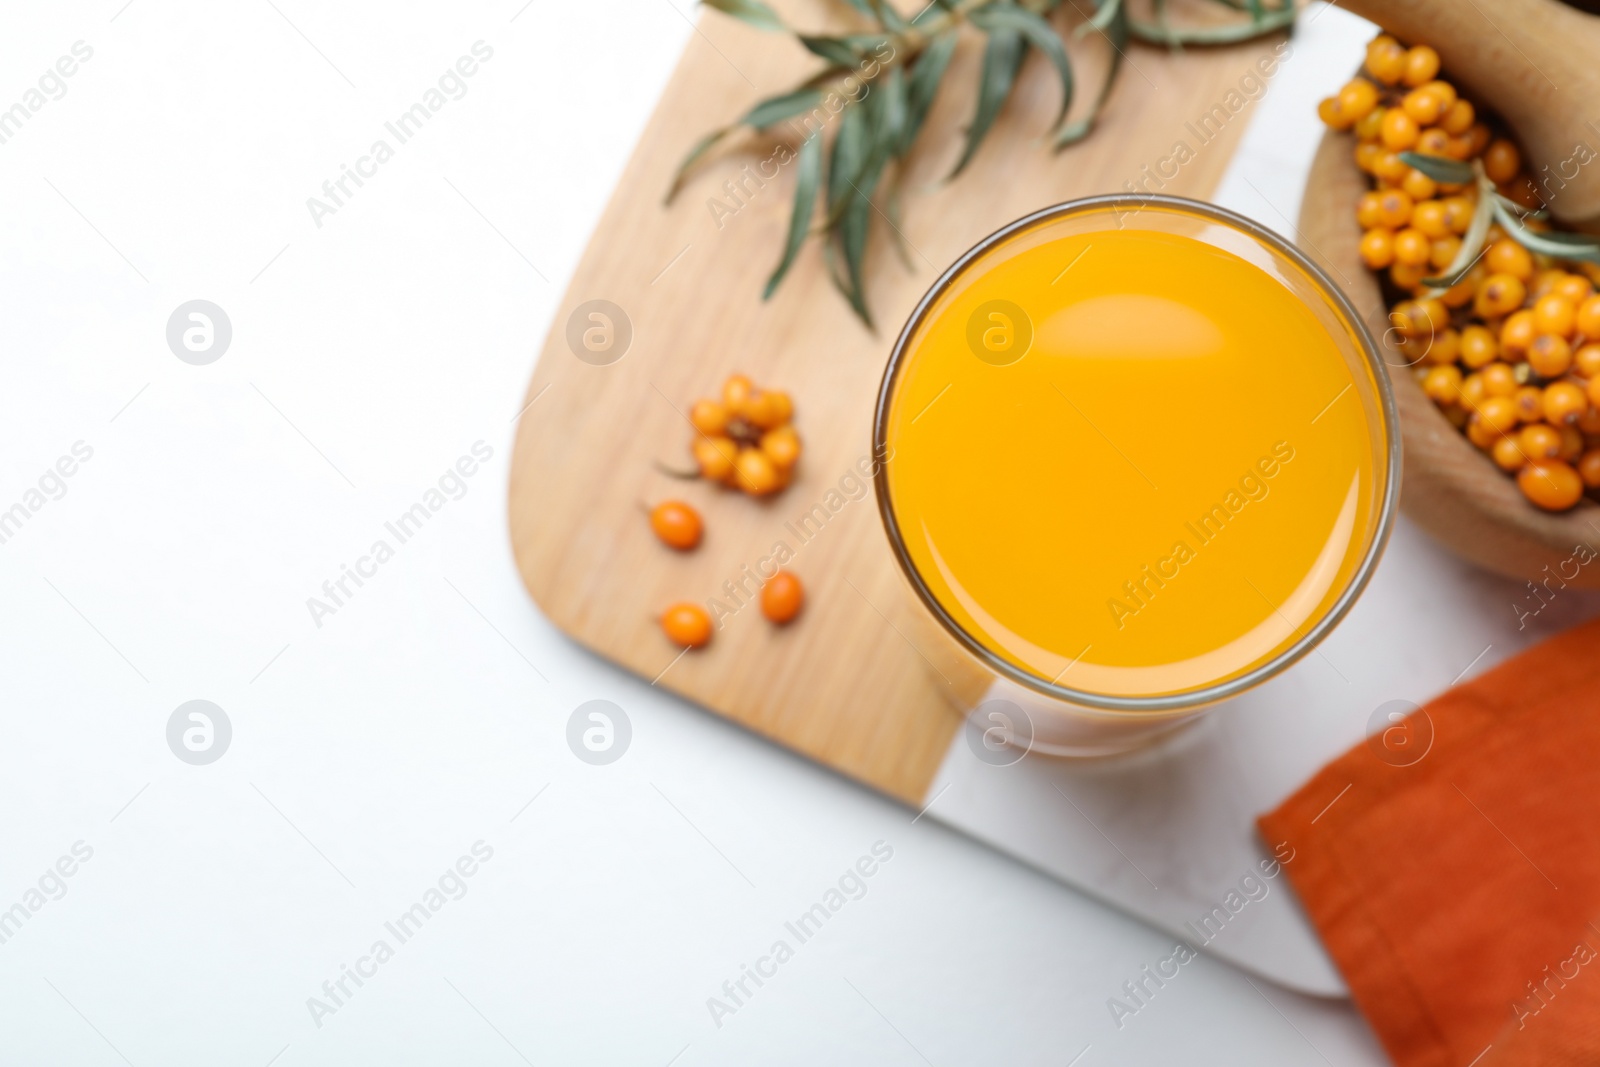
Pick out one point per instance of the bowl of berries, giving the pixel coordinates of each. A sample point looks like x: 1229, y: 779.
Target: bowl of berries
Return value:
x: 1424, y: 206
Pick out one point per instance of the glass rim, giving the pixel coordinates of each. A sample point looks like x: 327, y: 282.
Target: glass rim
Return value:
x: 1186, y: 700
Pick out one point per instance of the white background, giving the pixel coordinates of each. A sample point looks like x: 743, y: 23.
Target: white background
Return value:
x: 369, y: 754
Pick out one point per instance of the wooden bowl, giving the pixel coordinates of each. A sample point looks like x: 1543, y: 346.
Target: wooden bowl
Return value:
x: 1448, y: 487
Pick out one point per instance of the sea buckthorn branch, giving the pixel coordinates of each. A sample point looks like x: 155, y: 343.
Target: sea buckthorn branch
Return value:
x: 898, y: 65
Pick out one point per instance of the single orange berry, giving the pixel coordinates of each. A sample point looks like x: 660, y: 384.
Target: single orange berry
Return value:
x: 715, y: 456
x: 1576, y: 288
x: 1424, y: 107
x: 1386, y: 60
x: 1407, y: 276
x: 1446, y: 347
x: 1507, y: 453
x: 1589, y: 318
x: 1499, y: 295
x: 1540, y: 440
x: 1435, y: 142
x: 1506, y: 256
x: 1593, y: 389
x: 1390, y: 167
x: 1458, y: 119
x: 1400, y: 131
x: 1357, y: 99
x: 1412, y: 246
x: 1443, y: 251
x: 1377, y: 248
x: 687, y: 625
x: 782, y: 446
x: 1497, y: 414
x: 1586, y: 361
x: 1549, y: 356
x: 1551, y: 484
x: 1571, y: 444
x: 736, y: 393
x: 1588, y: 424
x: 677, y: 524
x: 1369, y: 210
x: 1501, y: 161
x: 1473, y: 392
x: 1478, y: 346
x: 709, y: 417
x: 1368, y: 128
x: 1564, y: 402
x: 782, y: 598
x: 1555, y: 314
x: 1589, y: 468
x: 1517, y: 334
x: 1499, y: 379
x: 1479, y: 137
x: 1429, y: 217
x: 1422, y: 65
x: 1442, y: 384
x: 1394, y: 208
x: 1328, y: 111
x: 755, y: 473
x: 1458, y: 212
x: 1530, y: 403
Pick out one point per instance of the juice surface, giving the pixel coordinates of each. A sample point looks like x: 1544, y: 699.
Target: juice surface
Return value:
x: 1171, y: 486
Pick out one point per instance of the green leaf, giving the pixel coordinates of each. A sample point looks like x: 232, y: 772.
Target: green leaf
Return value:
x: 754, y: 12
x: 1559, y: 246
x: 854, y: 223
x: 775, y: 109
x: 924, y: 86
x: 1440, y: 169
x: 834, y: 49
x: 1471, y: 248
x: 1039, y: 33
x: 1116, y: 34
x: 849, y: 150
x: 1231, y: 33
x: 1002, y: 57
x: 807, y: 180
x: 887, y: 16
x: 701, y: 147
x: 892, y: 119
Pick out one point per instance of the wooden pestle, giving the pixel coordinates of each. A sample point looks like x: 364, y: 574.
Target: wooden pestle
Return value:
x: 1536, y: 62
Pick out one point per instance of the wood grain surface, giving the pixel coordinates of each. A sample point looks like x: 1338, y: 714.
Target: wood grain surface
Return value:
x: 845, y: 684
x: 1448, y: 487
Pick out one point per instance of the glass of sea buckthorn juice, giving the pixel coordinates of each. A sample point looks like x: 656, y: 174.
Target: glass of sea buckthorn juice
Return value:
x: 1141, y: 455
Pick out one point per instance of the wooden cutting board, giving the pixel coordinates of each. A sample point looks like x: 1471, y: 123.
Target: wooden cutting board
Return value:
x: 844, y: 684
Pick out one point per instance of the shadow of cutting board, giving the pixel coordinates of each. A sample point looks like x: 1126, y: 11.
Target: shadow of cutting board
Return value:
x: 844, y: 685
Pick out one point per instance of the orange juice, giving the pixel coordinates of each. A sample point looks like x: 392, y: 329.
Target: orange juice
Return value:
x: 1133, y: 462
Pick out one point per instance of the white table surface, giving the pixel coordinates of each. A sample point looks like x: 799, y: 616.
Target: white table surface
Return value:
x: 371, y: 752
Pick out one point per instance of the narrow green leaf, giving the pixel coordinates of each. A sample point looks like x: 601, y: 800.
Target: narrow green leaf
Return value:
x: 807, y: 180
x: 888, y: 17
x: 1471, y: 248
x: 844, y: 161
x: 1105, y: 12
x: 701, y: 147
x: 1002, y: 56
x: 1116, y: 34
x: 1039, y: 33
x: 1559, y: 246
x: 924, y: 86
x: 754, y: 12
x: 775, y: 109
x: 1440, y: 169
x: 854, y: 224
x: 833, y: 49
x: 1231, y: 33
x: 892, y: 119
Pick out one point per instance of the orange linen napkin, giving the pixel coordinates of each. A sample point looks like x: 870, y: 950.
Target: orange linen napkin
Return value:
x: 1459, y: 893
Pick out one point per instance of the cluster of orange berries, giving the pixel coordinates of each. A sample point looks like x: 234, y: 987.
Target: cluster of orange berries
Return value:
x: 745, y: 439
x: 1511, y: 352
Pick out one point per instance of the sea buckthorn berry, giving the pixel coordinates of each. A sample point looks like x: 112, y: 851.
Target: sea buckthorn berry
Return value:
x: 1499, y: 379
x: 686, y: 625
x: 1458, y: 212
x: 1357, y: 99
x: 1497, y: 414
x: 1412, y: 246
x: 1429, y: 217
x: 709, y: 417
x: 1586, y: 361
x: 1530, y: 403
x: 1571, y: 444
x: 1367, y: 155
x: 1370, y: 126
x: 1456, y: 416
x: 1386, y: 60
x: 1442, y: 251
x: 1540, y: 441
x: 1517, y: 334
x: 1369, y: 210
x: 736, y: 393
x: 782, y: 598
x: 1552, y: 485
x: 1521, y: 191
x: 1480, y: 136
x: 1549, y: 356
x: 1419, y: 186
x: 768, y: 409
x: 1377, y: 248
x: 1459, y: 148
x: 1507, y: 453
x: 782, y: 446
x: 1444, y: 90
x: 1458, y: 118
x: 1328, y: 111
x: 1481, y: 434
x: 1472, y: 391
x: 1400, y: 131
x: 1407, y: 276
x: 1506, y: 256
x: 1390, y: 167
x: 1588, y: 424
x: 755, y: 473
x: 1544, y: 282
x: 1589, y: 318
x: 715, y: 456
x: 1555, y: 314
x: 1499, y: 295
x: 1424, y: 107
x: 1460, y: 294
x: 677, y: 524
x: 1446, y: 347
x: 1422, y: 65
x: 1434, y: 142
x: 1501, y: 161
x: 1589, y: 468
x: 1478, y: 346
x: 1442, y: 384
x: 1593, y: 392
x: 1394, y: 208
x: 1576, y: 288
x: 1564, y: 402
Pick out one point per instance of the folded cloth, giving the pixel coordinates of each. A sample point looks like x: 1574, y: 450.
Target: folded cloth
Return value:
x: 1451, y: 864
